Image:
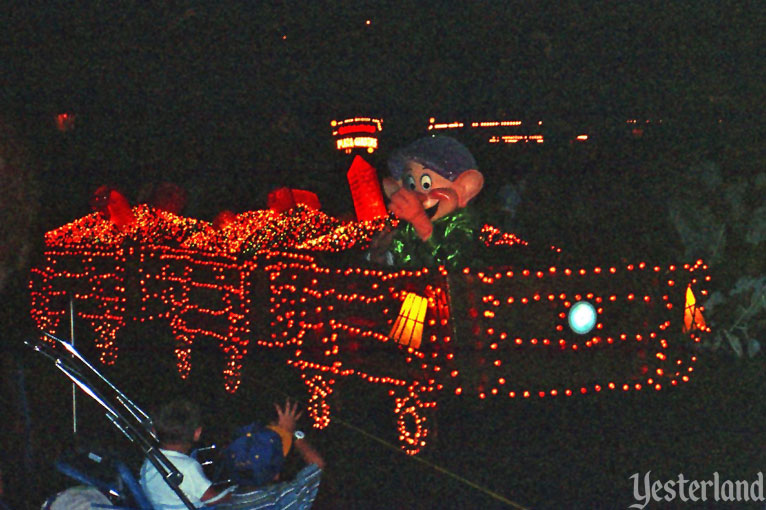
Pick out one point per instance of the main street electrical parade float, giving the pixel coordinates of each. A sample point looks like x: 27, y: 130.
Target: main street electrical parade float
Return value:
x: 297, y: 282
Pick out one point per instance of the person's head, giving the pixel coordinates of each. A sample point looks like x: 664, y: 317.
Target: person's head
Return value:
x: 256, y: 455
x: 178, y: 422
x: 440, y: 169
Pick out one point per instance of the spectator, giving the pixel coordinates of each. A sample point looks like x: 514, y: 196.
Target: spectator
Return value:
x: 254, y: 460
x: 178, y: 427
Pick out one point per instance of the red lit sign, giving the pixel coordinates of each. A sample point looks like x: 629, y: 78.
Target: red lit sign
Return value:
x: 356, y: 133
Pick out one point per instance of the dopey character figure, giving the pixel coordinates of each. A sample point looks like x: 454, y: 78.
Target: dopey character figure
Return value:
x: 432, y: 181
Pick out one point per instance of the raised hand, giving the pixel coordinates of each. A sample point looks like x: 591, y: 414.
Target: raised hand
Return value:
x: 287, y: 417
x: 407, y: 205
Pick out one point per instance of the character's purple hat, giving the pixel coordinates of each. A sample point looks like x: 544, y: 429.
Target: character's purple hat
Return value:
x: 442, y: 154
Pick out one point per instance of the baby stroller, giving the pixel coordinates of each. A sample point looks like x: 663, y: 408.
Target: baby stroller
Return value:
x: 106, y: 481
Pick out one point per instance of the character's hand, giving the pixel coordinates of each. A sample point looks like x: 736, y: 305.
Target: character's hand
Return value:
x: 288, y: 416
x: 407, y: 205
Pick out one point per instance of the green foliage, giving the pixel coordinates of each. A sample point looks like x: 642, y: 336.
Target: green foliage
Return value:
x: 723, y: 221
x: 744, y: 308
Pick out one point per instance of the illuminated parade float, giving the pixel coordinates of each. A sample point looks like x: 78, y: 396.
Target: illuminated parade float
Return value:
x: 294, y: 281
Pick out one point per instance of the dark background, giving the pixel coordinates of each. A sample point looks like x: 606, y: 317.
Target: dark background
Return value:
x: 231, y: 100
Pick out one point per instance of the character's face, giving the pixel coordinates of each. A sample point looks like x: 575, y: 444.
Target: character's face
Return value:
x: 421, y: 180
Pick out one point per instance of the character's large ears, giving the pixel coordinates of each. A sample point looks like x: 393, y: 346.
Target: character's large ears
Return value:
x: 390, y: 186
x: 469, y: 183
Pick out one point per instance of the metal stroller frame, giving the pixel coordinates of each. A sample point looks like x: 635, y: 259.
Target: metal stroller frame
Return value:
x: 122, y: 412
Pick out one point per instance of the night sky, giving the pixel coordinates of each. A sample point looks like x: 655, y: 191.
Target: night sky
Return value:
x: 318, y: 58
x: 187, y: 88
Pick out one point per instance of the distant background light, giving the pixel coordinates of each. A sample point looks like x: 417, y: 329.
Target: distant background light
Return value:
x: 65, y: 122
x: 582, y: 317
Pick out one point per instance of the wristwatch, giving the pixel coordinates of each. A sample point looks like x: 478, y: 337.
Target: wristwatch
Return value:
x: 298, y: 434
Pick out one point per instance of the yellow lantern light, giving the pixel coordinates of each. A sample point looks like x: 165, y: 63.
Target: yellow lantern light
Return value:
x: 693, y: 319
x: 408, y: 327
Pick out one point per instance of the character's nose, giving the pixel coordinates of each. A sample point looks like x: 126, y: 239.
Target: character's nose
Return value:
x: 434, y: 194
x: 440, y: 194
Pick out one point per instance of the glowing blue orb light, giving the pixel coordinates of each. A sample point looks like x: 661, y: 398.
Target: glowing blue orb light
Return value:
x: 582, y: 317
